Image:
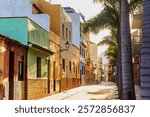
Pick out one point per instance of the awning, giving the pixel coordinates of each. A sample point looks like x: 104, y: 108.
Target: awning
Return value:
x: 39, y: 48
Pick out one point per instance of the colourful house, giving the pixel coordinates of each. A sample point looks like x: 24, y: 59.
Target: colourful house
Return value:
x: 68, y: 76
x: 27, y: 32
x: 13, y: 66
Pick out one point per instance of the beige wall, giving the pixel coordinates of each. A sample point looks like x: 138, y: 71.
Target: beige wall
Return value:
x: 54, y: 59
x: 53, y: 10
x: 89, y: 67
x: 94, y: 57
x: 99, y: 67
x: 59, y: 17
x: 93, y: 53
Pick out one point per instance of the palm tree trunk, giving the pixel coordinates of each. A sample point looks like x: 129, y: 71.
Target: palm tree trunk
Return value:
x: 126, y: 54
x: 119, y: 57
x: 145, y: 52
x: 119, y: 81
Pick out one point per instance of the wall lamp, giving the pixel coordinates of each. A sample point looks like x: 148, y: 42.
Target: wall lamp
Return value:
x: 67, y: 44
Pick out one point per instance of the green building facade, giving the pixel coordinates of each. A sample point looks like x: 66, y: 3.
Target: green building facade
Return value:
x: 29, y: 33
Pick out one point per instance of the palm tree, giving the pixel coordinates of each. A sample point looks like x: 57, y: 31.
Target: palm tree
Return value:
x: 112, y: 50
x: 145, y: 52
x: 109, y: 18
x: 127, y: 70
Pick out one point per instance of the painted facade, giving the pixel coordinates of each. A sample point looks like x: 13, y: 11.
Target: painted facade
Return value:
x: 44, y: 29
x: 94, y: 59
x: 24, y: 8
x: 55, y: 61
x: 13, y: 66
x: 89, y: 67
x: 31, y: 29
x: 61, y: 25
x: 78, y: 40
x: 38, y: 53
x: 71, y: 67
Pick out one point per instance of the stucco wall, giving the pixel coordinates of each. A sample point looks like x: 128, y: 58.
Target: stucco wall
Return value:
x: 17, y: 8
x: 54, y: 12
x: 75, y: 29
x: 55, y: 47
x: 37, y: 35
x: 19, y: 86
x: 15, y: 28
x: 37, y: 89
x: 24, y: 30
x: 32, y: 64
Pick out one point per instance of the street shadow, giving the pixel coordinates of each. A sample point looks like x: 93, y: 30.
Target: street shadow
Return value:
x: 100, y: 91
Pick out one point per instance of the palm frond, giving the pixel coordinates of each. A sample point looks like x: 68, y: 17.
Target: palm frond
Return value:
x: 135, y: 4
x: 107, y: 18
x: 99, y: 1
x: 111, y: 53
x: 108, y: 40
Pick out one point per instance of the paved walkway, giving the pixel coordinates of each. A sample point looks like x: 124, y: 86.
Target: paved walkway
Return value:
x: 103, y: 91
x: 138, y: 92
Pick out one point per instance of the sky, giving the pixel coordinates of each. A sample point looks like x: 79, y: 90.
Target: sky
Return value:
x: 89, y: 10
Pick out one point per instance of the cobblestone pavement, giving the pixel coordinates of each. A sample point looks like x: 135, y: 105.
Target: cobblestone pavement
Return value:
x: 103, y: 91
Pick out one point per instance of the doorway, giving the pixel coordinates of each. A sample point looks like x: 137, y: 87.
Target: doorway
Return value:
x: 11, y: 75
x: 48, y: 71
x: 54, y: 76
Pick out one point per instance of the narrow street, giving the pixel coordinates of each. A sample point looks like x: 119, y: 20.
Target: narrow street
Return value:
x: 103, y: 91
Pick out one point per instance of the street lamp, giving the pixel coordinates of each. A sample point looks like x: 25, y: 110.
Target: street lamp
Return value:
x: 67, y: 44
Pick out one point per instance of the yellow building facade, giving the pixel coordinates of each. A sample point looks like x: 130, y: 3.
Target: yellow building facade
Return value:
x: 89, y: 64
x: 65, y: 63
x: 53, y: 12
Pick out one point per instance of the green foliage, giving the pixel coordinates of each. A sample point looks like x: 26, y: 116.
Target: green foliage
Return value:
x: 112, y: 43
x: 111, y: 52
x: 107, y: 18
x: 135, y: 4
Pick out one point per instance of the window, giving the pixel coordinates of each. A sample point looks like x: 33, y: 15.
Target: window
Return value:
x: 67, y: 33
x: 70, y: 36
x: 80, y: 50
x: 74, y: 67
x: 70, y: 66
x: 20, y: 68
x: 63, y: 63
x: 82, y: 70
x: 78, y: 68
x: 38, y: 67
x: 63, y: 30
x: 54, y: 84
